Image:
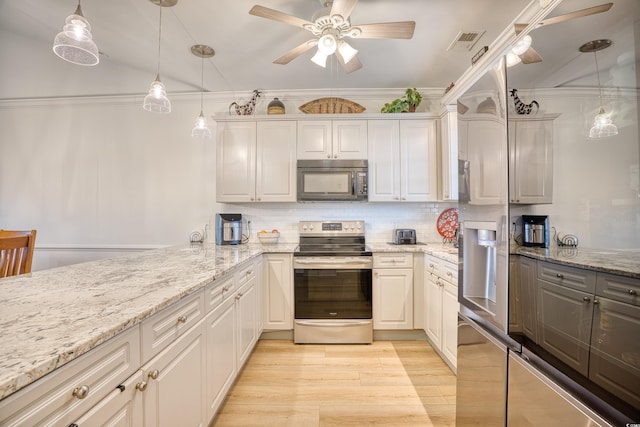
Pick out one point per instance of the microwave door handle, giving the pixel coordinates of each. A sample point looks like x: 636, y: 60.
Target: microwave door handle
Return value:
x: 353, y: 183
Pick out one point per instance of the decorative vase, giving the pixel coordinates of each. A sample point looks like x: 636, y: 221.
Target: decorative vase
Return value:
x: 275, y: 107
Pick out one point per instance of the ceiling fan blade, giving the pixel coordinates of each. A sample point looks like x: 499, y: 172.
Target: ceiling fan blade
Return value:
x: 265, y: 12
x: 385, y: 30
x: 295, y: 52
x: 577, y: 14
x: 530, y: 56
x: 343, y: 8
x: 350, y: 66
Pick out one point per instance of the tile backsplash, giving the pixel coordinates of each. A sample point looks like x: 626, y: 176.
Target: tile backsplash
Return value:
x: 380, y: 218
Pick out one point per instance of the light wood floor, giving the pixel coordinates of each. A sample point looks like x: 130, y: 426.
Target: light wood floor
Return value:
x: 387, y: 383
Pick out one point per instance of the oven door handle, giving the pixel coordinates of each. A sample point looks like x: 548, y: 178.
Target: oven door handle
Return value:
x: 333, y: 324
x: 331, y: 261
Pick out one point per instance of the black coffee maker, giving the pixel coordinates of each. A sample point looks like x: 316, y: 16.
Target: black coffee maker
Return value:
x: 535, y: 230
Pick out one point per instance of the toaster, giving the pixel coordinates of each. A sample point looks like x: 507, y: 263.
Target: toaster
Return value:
x: 404, y: 236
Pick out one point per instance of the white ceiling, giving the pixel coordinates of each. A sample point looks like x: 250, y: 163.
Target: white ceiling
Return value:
x: 126, y: 32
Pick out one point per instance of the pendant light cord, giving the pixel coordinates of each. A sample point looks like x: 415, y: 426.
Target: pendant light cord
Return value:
x: 201, y: 84
x: 159, y: 40
x: 595, y: 57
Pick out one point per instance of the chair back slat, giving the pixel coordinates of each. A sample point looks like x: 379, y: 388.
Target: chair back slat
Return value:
x: 16, y: 252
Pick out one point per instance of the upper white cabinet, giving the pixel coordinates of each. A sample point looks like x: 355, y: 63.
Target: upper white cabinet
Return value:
x: 256, y: 161
x: 402, y: 160
x: 531, y: 159
x: 449, y: 154
x: 332, y: 139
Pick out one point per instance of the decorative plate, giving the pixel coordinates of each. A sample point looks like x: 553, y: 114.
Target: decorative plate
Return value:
x: 331, y: 105
x: 447, y: 223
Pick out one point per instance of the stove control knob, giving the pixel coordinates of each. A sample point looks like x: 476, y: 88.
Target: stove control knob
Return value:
x: 311, y: 227
x: 359, y: 226
x: 304, y: 227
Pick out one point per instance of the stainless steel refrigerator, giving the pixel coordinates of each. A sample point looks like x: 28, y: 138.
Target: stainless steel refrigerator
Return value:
x: 503, y: 379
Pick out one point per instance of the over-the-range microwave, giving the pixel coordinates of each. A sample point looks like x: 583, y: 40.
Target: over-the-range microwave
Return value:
x: 332, y: 180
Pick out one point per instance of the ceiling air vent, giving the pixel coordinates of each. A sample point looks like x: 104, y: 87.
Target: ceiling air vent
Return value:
x: 465, y: 40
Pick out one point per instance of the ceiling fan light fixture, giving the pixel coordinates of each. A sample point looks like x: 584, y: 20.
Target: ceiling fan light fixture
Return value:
x: 522, y: 45
x: 75, y: 43
x: 320, y: 59
x: 347, y: 51
x: 513, y: 59
x: 327, y: 44
x: 156, y: 100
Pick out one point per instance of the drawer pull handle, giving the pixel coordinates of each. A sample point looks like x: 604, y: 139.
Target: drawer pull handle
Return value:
x: 225, y: 289
x: 431, y: 266
x: 596, y: 301
x: 249, y: 273
x: 154, y: 374
x: 239, y: 295
x: 81, y: 392
x: 632, y: 292
x: 182, y: 319
x: 142, y: 386
x: 449, y: 274
x: 586, y: 299
x: 121, y: 387
x: 560, y: 275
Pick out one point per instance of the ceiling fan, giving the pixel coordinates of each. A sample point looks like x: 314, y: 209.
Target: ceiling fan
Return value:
x: 331, y: 26
x: 523, y: 52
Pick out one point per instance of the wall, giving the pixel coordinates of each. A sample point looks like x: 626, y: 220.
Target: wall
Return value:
x: 99, y: 176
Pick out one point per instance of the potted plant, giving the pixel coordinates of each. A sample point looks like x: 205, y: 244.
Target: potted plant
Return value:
x: 413, y: 97
x: 396, y: 106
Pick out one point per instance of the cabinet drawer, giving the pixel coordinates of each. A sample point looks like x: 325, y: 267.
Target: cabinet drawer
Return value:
x: 164, y: 327
x: 219, y: 290
x: 618, y: 288
x: 50, y: 401
x: 246, y: 273
x: 570, y: 277
x: 432, y: 265
x: 449, y: 272
x: 393, y: 260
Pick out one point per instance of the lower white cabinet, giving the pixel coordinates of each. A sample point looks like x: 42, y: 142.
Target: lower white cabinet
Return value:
x: 175, y: 393
x: 246, y: 321
x: 441, y: 307
x: 277, y: 292
x: 393, y: 291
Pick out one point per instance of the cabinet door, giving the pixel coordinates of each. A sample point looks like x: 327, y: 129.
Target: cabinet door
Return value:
x: 384, y: 160
x: 450, y: 308
x: 259, y: 295
x: 276, y: 162
x: 393, y: 298
x: 246, y: 321
x: 177, y: 396
x: 236, y: 160
x: 418, y: 178
x: 221, y: 354
x: 278, y: 291
x: 121, y: 408
x: 527, y: 276
x: 565, y: 317
x: 433, y: 309
x: 531, y: 161
x: 449, y: 155
x: 487, y: 153
x: 314, y: 139
x: 349, y: 139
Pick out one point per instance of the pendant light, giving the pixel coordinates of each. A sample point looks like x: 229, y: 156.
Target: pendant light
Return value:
x: 201, y: 127
x: 75, y: 42
x: 156, y: 100
x: 602, y: 124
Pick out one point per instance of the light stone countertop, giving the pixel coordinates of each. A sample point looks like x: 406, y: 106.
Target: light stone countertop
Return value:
x: 50, y: 317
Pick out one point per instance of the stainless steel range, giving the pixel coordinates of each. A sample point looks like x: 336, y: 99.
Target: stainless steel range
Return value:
x: 332, y: 284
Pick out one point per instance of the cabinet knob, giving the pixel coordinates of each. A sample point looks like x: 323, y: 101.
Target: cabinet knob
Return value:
x: 249, y: 273
x: 449, y: 274
x: 239, y: 295
x: 431, y: 266
x: 560, y: 275
x: 596, y: 301
x: 225, y: 289
x: 81, y: 392
x: 632, y: 292
x: 154, y: 374
x: 142, y: 386
x: 182, y: 319
x: 335, y: 156
x: 586, y: 299
x: 328, y: 156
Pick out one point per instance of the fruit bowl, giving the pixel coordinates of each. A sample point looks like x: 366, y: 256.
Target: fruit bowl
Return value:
x: 266, y: 237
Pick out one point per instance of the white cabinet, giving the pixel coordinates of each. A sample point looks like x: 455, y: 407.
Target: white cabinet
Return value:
x: 247, y: 321
x: 402, y: 160
x: 483, y: 143
x: 67, y: 393
x: 332, y: 139
x: 393, y: 291
x: 449, y: 154
x: 441, y: 307
x: 277, y: 297
x: 176, y: 393
x: 531, y: 159
x: 256, y: 161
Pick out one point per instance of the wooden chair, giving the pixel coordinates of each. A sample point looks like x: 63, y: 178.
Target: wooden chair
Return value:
x: 16, y: 252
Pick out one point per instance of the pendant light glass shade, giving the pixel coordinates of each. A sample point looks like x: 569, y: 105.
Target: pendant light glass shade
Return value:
x: 75, y: 42
x: 201, y: 128
x: 603, y: 126
x: 156, y: 100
